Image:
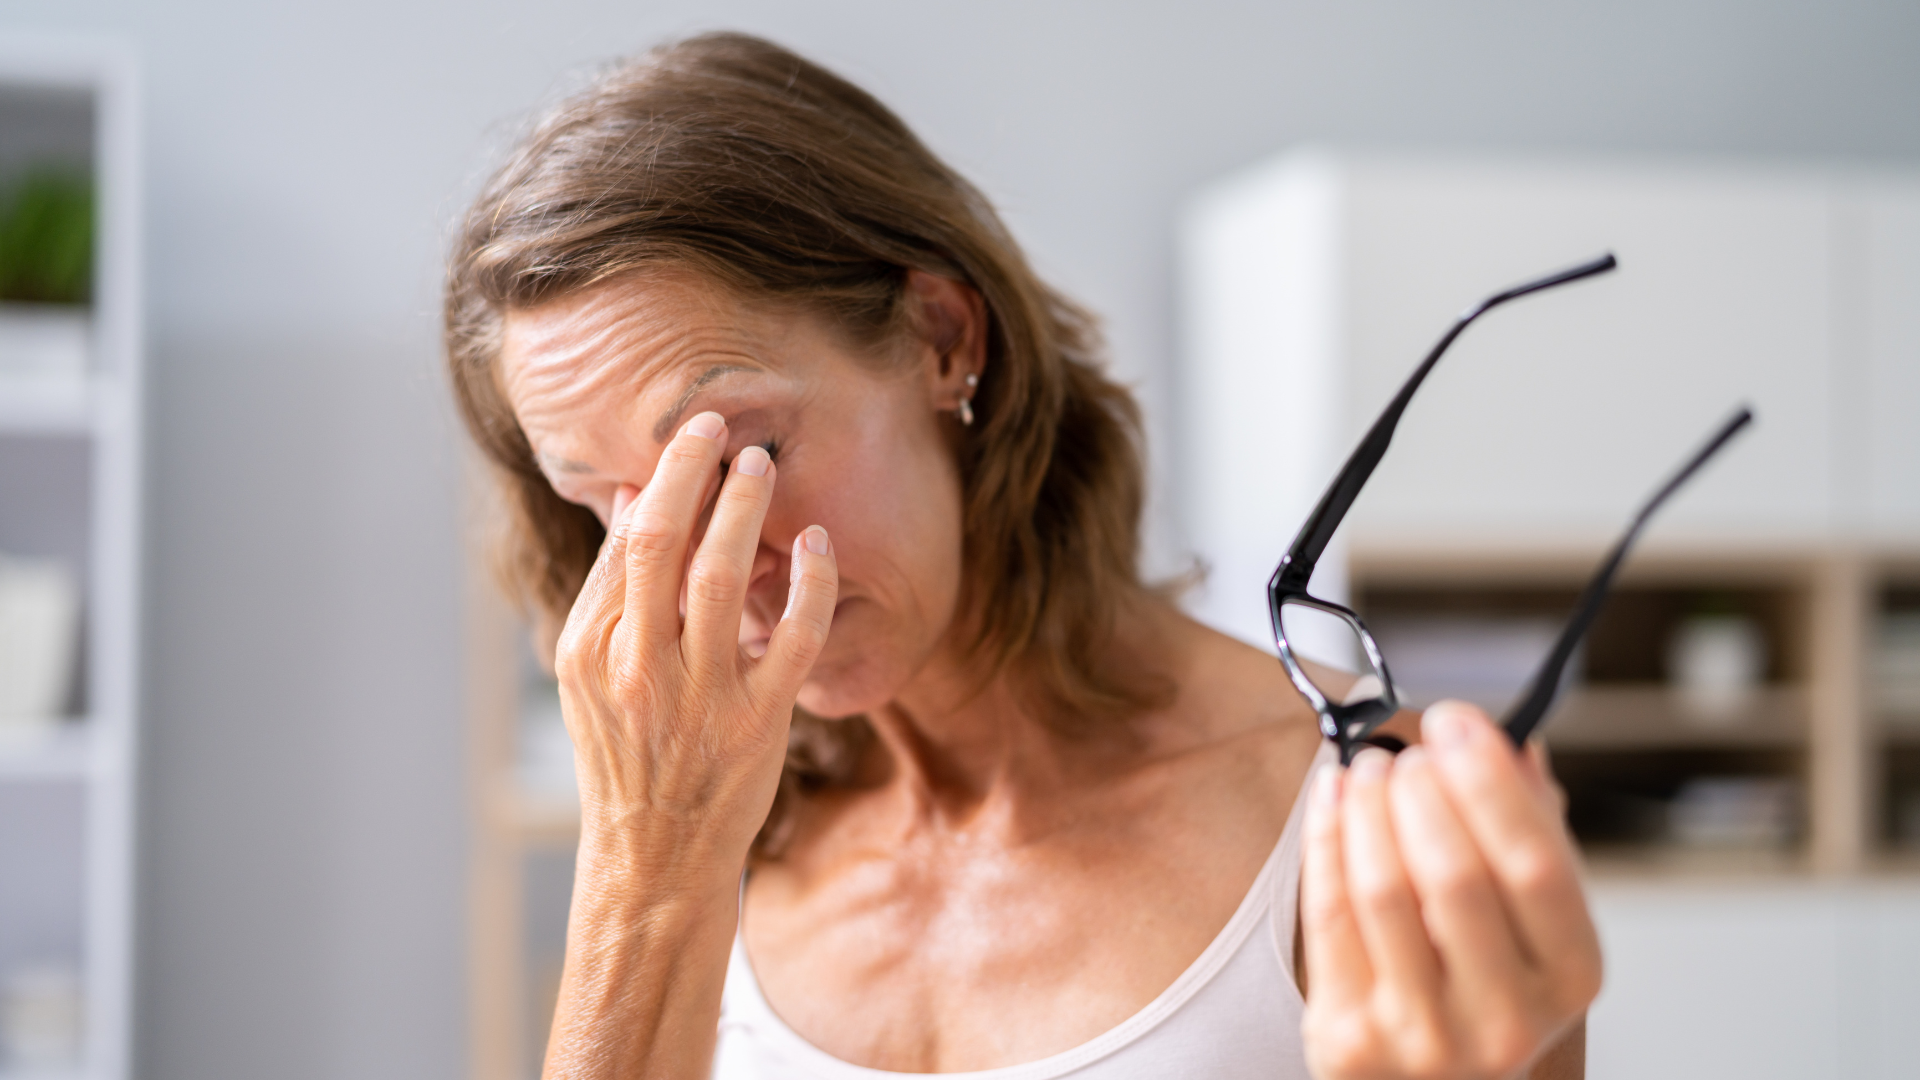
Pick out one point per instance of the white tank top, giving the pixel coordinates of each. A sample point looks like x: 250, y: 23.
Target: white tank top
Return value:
x: 1235, y: 1012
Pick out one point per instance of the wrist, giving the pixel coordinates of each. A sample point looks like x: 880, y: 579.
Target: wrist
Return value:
x: 660, y: 855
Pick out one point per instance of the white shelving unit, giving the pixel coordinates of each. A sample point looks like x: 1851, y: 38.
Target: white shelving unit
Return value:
x: 70, y: 484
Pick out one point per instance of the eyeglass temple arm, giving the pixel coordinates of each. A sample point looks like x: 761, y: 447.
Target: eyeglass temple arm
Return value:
x: 1296, y: 566
x: 1546, y: 682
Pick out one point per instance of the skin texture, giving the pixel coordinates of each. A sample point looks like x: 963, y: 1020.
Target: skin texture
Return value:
x: 933, y: 916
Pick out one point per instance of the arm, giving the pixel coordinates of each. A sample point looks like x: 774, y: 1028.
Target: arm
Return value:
x: 679, y: 739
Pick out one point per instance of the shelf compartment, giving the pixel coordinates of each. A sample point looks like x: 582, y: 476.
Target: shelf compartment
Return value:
x: 1656, y: 717
x: 1624, y: 804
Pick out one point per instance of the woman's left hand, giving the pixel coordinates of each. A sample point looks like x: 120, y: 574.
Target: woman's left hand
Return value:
x: 1445, y: 931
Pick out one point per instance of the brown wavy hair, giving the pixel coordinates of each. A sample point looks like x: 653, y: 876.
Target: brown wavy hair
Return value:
x: 733, y: 157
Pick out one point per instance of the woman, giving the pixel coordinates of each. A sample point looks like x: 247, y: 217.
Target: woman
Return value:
x: 888, y: 760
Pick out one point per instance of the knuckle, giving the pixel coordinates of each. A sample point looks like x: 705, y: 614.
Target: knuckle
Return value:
x: 815, y: 577
x: 1343, y: 1046
x: 715, y: 579
x: 810, y: 636
x: 1535, y: 871
x: 1319, y: 907
x: 628, y: 678
x: 568, y: 664
x: 1580, y: 978
x: 650, y: 534
x: 1453, y: 882
x: 576, y: 653
x: 1425, y: 1052
x: 1377, y: 895
x: 686, y: 452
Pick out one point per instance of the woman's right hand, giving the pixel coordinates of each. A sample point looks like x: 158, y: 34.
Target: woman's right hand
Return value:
x: 674, y: 726
x: 679, y: 737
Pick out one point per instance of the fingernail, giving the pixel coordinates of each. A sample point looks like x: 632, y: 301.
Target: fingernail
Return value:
x: 1370, y: 766
x: 708, y: 425
x: 752, y: 461
x: 816, y: 540
x: 1447, y: 725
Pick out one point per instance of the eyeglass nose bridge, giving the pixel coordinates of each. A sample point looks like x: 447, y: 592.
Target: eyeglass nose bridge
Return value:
x: 1348, y: 725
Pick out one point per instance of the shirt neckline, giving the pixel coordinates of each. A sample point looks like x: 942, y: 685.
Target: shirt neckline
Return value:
x: 1257, y: 902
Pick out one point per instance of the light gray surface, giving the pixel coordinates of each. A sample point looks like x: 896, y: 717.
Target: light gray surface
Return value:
x: 302, y: 906
x: 1805, y: 981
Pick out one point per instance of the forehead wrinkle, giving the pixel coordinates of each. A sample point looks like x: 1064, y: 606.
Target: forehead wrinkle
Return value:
x: 620, y: 343
x: 552, y: 463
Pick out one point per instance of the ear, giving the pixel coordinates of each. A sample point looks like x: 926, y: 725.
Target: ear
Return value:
x: 950, y: 319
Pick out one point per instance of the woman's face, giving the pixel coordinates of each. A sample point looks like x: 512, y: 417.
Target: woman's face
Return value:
x: 602, y: 380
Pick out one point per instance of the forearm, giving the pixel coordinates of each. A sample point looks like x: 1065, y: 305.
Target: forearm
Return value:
x: 647, y: 945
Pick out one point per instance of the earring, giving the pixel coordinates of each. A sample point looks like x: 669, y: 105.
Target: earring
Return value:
x: 965, y: 409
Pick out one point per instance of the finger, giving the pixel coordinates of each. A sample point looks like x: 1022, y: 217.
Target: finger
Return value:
x: 597, y: 606
x: 721, y: 569
x: 1459, y: 902
x: 1384, y: 905
x: 802, y: 630
x: 1536, y: 768
x: 1524, y: 842
x: 658, y: 528
x: 623, y: 497
x: 1338, y: 972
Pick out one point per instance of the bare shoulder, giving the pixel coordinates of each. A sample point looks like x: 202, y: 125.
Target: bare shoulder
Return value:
x: 1234, y: 701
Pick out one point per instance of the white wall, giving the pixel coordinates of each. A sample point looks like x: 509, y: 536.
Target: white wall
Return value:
x: 303, y: 891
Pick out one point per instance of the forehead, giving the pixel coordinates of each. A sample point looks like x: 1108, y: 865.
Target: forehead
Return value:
x: 639, y: 336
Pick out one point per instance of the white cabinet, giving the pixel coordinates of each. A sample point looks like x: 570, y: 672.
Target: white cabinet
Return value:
x: 1315, y: 282
x: 1882, y: 232
x: 1559, y: 413
x: 1791, y: 981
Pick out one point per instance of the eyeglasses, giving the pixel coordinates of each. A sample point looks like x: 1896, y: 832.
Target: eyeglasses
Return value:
x: 1349, y: 712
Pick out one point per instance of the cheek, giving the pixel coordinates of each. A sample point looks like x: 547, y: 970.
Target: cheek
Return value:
x: 891, y: 501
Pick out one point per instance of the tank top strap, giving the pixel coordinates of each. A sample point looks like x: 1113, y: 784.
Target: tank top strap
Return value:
x: 1285, y: 903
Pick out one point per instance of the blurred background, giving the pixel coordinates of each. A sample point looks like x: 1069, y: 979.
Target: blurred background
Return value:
x: 280, y: 797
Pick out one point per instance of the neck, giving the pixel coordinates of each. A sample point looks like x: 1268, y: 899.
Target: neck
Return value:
x: 957, y: 742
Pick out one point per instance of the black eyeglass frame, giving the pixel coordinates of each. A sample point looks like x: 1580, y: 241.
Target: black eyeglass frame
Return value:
x: 1351, y: 724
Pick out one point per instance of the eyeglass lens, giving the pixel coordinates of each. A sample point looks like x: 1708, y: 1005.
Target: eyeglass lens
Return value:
x: 1335, y: 658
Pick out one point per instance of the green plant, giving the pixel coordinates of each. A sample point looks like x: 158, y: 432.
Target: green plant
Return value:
x: 46, y: 238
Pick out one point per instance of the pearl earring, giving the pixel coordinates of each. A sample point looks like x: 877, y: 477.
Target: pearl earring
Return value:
x: 965, y: 409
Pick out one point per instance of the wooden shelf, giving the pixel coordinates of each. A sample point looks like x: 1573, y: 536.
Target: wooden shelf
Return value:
x: 1657, y: 718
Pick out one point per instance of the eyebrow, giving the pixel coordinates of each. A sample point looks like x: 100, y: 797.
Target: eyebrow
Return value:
x: 663, y: 427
